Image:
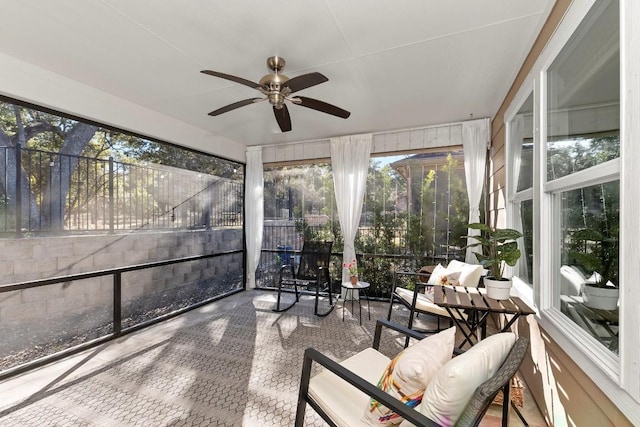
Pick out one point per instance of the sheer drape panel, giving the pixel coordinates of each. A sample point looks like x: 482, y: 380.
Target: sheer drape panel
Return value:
x: 254, y: 212
x: 516, y: 138
x: 475, y: 140
x: 350, y: 165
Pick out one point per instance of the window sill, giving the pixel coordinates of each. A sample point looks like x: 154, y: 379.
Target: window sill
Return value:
x: 524, y: 291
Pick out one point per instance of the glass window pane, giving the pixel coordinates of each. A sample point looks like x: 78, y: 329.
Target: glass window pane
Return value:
x: 525, y: 264
x: 522, y: 142
x: 589, y: 264
x: 583, y: 92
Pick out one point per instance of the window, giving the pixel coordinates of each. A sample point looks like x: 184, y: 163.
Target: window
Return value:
x: 585, y: 190
x: 521, y: 197
x: 582, y: 146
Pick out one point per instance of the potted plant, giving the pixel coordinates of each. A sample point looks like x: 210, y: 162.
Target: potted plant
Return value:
x: 499, y: 248
x: 352, y: 267
x: 596, y: 252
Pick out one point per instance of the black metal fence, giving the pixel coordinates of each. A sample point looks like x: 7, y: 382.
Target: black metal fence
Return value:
x: 283, y: 240
x: 52, y: 192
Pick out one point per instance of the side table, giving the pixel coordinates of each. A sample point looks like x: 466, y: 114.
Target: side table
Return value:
x: 361, y: 287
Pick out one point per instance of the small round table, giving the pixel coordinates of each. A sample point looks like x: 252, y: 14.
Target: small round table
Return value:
x: 361, y: 287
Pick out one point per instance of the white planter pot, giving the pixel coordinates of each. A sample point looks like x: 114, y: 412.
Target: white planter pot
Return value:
x: 600, y: 298
x: 498, y: 289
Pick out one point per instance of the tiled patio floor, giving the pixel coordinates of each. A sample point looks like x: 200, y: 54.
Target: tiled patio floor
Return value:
x: 96, y: 388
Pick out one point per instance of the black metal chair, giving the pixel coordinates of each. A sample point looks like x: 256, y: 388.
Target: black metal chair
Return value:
x: 315, y: 394
x: 418, y: 300
x: 312, y: 273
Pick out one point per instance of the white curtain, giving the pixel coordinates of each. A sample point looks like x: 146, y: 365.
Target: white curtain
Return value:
x: 254, y: 212
x: 475, y: 140
x: 515, y: 141
x: 350, y: 164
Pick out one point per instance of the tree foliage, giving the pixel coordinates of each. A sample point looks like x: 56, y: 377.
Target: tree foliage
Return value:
x: 52, y: 147
x: 390, y: 223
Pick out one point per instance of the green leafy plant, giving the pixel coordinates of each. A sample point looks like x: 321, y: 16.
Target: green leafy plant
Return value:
x: 499, y: 247
x: 597, y: 253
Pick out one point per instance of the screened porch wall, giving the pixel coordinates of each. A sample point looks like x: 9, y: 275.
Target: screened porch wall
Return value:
x: 408, y: 140
x: 379, y: 261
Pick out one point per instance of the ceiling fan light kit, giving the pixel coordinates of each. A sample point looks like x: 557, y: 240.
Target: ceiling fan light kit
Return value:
x: 277, y: 88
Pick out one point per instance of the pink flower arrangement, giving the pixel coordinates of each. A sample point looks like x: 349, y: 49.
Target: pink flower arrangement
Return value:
x: 352, y: 267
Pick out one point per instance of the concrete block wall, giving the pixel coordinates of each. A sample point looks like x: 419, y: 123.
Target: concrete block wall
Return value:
x: 45, y: 257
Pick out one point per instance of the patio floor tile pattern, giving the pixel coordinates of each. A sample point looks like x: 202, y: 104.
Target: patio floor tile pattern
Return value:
x: 225, y: 365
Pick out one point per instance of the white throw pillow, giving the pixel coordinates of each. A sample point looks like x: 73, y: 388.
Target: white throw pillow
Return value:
x: 408, y: 374
x: 435, y: 274
x: 469, y: 273
x: 444, y: 276
x: 451, y: 389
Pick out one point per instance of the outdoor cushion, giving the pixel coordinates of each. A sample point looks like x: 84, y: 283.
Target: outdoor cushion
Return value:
x: 469, y: 273
x: 444, y: 276
x: 424, y: 303
x: 337, y: 397
x: 408, y: 374
x: 451, y: 389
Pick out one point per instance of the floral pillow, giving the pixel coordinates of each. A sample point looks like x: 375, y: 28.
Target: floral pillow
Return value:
x: 444, y: 276
x: 408, y: 374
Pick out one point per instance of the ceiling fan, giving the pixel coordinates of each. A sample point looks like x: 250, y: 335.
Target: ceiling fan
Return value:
x: 278, y: 88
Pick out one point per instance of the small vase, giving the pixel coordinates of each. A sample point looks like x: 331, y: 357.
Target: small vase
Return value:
x: 354, y: 280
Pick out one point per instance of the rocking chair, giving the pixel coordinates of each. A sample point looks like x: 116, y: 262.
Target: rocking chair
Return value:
x: 312, y: 272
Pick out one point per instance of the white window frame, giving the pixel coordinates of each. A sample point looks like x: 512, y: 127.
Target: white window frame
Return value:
x: 617, y: 376
x: 514, y: 197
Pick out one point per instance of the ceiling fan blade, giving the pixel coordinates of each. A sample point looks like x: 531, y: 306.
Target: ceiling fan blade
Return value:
x: 283, y: 118
x: 232, y: 78
x: 235, y: 105
x: 304, y: 81
x: 315, y: 104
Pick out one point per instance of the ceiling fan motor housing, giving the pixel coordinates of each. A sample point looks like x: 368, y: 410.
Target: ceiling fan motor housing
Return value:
x: 271, y: 84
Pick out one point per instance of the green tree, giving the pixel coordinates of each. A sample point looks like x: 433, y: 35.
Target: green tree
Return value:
x: 31, y: 128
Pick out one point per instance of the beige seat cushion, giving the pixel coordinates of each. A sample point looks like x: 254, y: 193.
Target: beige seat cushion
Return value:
x: 341, y: 401
x: 425, y: 303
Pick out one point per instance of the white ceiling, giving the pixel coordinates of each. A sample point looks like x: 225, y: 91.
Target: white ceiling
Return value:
x: 393, y: 64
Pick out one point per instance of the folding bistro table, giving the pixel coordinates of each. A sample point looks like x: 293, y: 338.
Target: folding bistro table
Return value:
x: 477, y: 306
